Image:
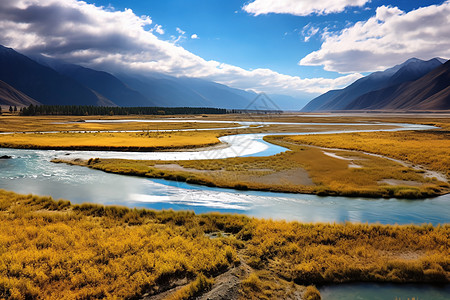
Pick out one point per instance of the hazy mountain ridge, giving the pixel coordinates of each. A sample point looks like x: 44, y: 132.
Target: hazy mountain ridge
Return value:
x: 40, y: 82
x: 50, y: 81
x: 172, y: 91
x: 363, y: 93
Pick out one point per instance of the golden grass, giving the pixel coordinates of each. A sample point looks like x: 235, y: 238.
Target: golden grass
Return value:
x: 58, y: 123
x: 54, y: 250
x: 142, y: 141
x: 87, y: 251
x: 194, y: 289
x: 311, y: 293
x: 264, y: 284
x: 324, y: 253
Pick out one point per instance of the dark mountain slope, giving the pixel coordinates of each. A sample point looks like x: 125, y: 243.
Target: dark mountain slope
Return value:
x: 105, y: 85
x: 42, y: 83
x: 410, y: 70
x: 430, y: 92
x: 319, y: 101
x: 11, y: 96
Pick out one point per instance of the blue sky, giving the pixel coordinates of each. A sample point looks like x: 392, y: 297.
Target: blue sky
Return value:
x: 295, y: 47
x: 229, y: 34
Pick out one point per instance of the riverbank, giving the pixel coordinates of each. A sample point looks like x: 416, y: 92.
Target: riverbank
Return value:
x: 56, y: 249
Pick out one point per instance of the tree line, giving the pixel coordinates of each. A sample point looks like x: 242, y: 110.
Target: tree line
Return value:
x: 77, y: 110
x: 11, y: 109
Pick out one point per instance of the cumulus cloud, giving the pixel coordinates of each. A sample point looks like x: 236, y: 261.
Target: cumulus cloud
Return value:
x: 300, y: 7
x: 194, y: 36
x: 388, y: 38
x: 117, y: 41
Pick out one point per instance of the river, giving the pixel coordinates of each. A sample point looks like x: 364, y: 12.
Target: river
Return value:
x: 30, y: 171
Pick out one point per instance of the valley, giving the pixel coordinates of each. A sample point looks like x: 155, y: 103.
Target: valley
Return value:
x: 224, y: 150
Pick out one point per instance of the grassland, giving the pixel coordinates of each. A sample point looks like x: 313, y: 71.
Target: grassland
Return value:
x: 76, y: 123
x: 53, y: 250
x: 124, y: 141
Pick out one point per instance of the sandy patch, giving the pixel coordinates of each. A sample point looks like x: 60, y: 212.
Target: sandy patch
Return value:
x: 175, y: 167
x: 354, y: 166
x: 406, y: 255
x: 351, y: 164
x: 334, y: 155
x: 261, y: 170
x: 399, y: 182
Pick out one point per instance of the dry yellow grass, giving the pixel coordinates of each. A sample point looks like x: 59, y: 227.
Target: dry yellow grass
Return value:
x: 60, y: 123
x: 55, y: 250
x: 142, y: 141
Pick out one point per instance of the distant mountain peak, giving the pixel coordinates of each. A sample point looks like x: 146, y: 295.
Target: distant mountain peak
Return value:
x: 412, y: 60
x: 408, y: 71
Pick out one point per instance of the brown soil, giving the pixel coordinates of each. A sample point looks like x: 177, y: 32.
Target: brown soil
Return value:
x: 168, y: 290
x: 176, y: 167
x: 228, y: 284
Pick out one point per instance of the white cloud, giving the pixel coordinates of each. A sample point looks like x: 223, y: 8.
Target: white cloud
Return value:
x: 180, y: 37
x: 194, y: 36
x: 180, y: 31
x: 309, y: 31
x: 158, y: 29
x: 388, y: 38
x: 300, y: 7
x: 116, y: 41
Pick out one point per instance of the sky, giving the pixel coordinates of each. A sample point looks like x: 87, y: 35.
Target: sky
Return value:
x: 294, y: 47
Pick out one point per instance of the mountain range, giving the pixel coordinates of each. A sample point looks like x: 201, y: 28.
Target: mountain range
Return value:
x: 413, y: 85
x: 36, y: 79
